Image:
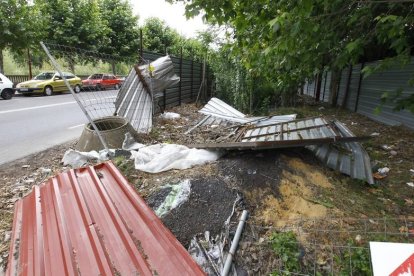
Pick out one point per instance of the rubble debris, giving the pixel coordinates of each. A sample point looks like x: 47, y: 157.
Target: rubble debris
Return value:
x: 163, y: 157
x: 77, y: 159
x: 170, y: 115
x: 121, y: 234
x: 143, y: 87
x: 381, y: 173
x: 130, y: 143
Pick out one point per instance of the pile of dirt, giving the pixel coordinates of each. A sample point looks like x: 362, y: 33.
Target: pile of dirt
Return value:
x: 209, y: 205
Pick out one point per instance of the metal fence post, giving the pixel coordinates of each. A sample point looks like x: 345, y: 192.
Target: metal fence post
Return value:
x: 192, y: 76
x: 344, y: 101
x: 318, y: 87
x: 181, y: 75
x: 359, y: 87
x: 324, y: 86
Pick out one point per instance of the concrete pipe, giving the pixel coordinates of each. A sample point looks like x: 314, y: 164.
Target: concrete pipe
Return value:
x: 112, y: 129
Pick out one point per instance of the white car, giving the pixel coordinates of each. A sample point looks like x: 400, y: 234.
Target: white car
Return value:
x: 6, y: 87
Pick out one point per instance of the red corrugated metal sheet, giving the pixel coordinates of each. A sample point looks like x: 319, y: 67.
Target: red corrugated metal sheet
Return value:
x: 90, y: 221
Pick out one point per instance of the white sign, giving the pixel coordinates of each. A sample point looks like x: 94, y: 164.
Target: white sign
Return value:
x: 392, y: 259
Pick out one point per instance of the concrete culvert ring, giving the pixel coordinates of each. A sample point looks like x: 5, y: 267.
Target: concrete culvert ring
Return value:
x: 112, y: 129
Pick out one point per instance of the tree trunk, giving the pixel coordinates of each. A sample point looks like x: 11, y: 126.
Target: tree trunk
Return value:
x: 113, y: 67
x: 334, y: 87
x: 1, y: 62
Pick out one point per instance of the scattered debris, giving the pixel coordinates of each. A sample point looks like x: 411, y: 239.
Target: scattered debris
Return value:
x: 381, y: 173
x: 130, y: 143
x: 321, y: 108
x: 77, y: 159
x: 375, y: 134
x: 170, y: 115
x: 393, y: 153
x: 411, y: 184
x: 26, y: 166
x: 163, y: 157
x: 386, y: 147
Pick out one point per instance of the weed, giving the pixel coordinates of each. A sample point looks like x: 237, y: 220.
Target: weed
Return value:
x: 286, y: 247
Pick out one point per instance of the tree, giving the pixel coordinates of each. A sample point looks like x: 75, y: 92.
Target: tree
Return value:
x: 159, y: 37
x: 122, y: 39
x: 20, y: 26
x: 289, y: 41
x: 74, y: 24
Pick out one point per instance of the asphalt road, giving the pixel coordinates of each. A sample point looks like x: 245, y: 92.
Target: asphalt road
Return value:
x: 32, y: 124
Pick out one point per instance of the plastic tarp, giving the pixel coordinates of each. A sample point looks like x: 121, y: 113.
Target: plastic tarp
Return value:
x: 163, y: 157
x: 179, y: 194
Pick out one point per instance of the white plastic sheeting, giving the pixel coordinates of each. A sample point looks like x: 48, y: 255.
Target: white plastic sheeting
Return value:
x: 170, y: 115
x: 163, y: 157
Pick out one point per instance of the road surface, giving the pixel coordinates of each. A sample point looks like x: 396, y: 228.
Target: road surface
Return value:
x: 32, y: 124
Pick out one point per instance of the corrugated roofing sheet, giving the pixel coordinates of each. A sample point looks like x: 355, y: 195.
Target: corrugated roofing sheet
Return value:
x: 348, y: 158
x: 135, y: 103
x: 90, y: 221
x: 142, y: 85
x: 219, y: 113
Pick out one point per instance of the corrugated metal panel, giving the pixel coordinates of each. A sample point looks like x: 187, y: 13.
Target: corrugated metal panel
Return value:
x: 348, y: 158
x: 326, y: 91
x: 90, y: 221
x: 135, y: 104
x: 219, y: 113
x: 218, y: 107
x: 135, y: 100
x: 303, y: 129
x: 353, y: 87
x: 376, y: 84
x: 342, y: 85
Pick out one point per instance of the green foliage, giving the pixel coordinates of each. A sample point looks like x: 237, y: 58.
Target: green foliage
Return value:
x: 289, y: 41
x: 286, y: 247
x: 20, y: 26
x: 122, y: 36
x: 160, y: 38
x: 355, y: 261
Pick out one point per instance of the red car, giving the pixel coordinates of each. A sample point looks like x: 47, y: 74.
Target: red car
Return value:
x: 101, y: 82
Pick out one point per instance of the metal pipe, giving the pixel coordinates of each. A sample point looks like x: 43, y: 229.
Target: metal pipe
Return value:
x: 234, y: 244
x: 57, y: 67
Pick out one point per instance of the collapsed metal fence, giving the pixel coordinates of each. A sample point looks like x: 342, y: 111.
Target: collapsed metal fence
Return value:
x: 101, y: 95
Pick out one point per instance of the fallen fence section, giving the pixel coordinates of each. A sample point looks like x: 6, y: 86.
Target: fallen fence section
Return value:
x: 90, y: 221
x: 143, y: 86
x: 332, y: 142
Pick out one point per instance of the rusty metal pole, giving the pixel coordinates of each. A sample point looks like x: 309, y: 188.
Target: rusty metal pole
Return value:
x: 29, y: 57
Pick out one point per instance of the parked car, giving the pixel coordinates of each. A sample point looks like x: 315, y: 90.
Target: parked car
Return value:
x: 48, y: 83
x: 6, y: 87
x: 101, y: 81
